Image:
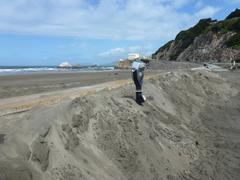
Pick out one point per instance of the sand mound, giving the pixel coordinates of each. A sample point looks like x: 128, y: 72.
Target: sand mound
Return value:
x: 188, y: 129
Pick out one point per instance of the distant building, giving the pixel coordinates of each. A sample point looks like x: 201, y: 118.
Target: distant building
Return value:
x: 65, y: 65
x: 133, y: 56
x: 126, y: 63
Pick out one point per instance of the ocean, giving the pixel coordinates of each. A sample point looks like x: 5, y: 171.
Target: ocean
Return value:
x: 42, y: 69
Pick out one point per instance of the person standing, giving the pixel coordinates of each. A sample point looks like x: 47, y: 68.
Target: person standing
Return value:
x: 138, y: 75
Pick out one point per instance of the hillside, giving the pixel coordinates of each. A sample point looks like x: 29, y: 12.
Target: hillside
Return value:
x: 209, y: 40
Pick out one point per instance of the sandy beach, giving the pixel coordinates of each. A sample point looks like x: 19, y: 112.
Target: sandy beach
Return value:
x: 119, y: 90
x: 33, y: 83
x: 26, y: 84
x: 187, y: 129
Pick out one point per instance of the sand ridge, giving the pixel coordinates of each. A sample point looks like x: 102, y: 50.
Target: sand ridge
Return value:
x: 24, y: 103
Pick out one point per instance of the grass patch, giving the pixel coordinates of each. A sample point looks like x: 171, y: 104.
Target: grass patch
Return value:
x: 227, y: 25
x: 234, y: 41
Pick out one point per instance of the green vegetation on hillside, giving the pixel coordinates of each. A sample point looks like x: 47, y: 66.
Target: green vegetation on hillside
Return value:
x: 234, y: 14
x: 234, y: 41
x: 185, y: 38
x: 227, y: 25
x: 163, y: 48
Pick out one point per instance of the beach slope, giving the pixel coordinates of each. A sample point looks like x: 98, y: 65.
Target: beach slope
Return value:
x: 189, y: 128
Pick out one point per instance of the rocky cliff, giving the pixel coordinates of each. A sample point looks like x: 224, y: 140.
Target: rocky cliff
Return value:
x: 208, y: 40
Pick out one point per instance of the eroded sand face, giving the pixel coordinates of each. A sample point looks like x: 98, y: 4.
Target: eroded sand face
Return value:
x: 188, y: 129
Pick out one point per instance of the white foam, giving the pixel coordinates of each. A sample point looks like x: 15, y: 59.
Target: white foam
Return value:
x: 49, y: 69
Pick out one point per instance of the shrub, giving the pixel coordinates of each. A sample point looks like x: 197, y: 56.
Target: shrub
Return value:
x: 165, y: 47
x: 234, y: 41
x: 234, y: 14
x: 185, y: 38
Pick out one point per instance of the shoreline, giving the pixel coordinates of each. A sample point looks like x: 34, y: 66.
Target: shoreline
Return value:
x: 54, y: 72
x: 35, y: 83
x: 24, y: 103
x: 16, y: 70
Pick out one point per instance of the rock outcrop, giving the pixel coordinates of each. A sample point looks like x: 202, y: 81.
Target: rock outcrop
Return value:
x: 123, y: 64
x: 209, y: 40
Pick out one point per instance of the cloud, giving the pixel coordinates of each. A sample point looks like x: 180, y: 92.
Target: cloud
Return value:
x: 124, y: 51
x: 112, y: 52
x: 146, y: 49
x: 99, y: 19
x: 207, y: 11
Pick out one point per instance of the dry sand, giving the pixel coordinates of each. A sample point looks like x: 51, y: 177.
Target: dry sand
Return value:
x: 189, y: 128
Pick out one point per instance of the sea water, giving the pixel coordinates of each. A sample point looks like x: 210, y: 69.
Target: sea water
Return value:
x: 35, y: 69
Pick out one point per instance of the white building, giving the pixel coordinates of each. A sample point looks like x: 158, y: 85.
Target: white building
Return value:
x: 133, y: 56
x: 65, y: 65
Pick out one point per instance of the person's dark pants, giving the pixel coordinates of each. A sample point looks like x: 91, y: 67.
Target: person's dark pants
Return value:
x: 138, y: 80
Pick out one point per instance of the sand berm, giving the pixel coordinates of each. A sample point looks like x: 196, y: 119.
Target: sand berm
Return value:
x: 189, y: 128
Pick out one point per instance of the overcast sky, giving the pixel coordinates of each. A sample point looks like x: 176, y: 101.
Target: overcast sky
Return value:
x: 47, y: 32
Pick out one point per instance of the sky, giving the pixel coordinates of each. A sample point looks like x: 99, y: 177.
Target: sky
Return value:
x: 87, y: 32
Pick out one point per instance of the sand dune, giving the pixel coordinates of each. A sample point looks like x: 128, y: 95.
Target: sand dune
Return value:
x: 189, y: 128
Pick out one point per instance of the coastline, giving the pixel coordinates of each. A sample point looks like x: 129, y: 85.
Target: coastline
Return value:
x: 34, y: 83
x: 18, y: 70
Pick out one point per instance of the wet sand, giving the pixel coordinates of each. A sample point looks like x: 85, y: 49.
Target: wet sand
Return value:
x: 26, y: 84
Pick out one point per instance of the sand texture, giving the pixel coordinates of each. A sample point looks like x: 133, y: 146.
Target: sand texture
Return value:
x: 27, y: 84
x: 189, y: 128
